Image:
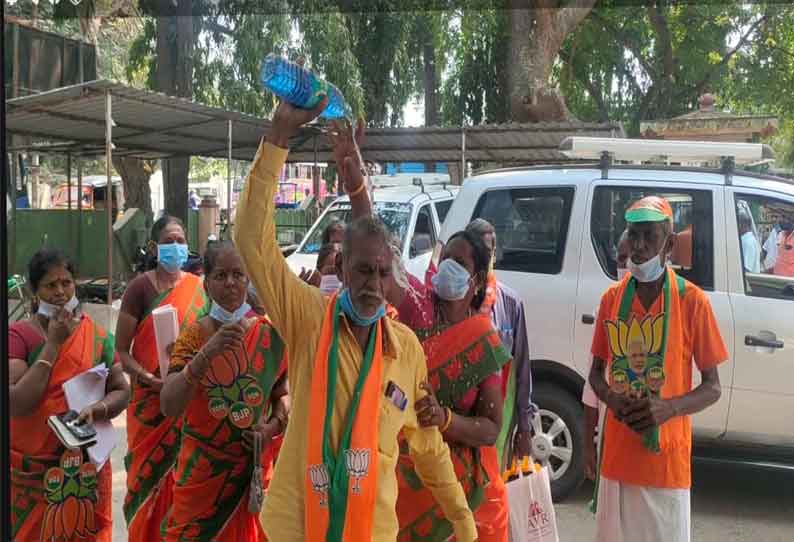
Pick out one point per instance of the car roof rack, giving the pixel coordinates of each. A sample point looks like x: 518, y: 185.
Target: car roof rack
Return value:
x: 607, y: 150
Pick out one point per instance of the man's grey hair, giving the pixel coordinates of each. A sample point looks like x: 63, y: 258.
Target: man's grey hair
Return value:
x: 480, y: 227
x: 366, y: 226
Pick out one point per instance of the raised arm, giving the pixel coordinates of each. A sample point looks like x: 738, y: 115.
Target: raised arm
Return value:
x: 349, y: 166
x: 291, y: 304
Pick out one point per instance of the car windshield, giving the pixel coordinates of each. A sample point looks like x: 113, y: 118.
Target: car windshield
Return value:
x: 394, y: 215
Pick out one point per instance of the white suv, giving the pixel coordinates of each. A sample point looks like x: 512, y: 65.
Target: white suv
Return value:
x: 413, y: 213
x: 557, y: 229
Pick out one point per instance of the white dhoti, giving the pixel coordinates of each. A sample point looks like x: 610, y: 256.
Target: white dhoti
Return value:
x: 628, y: 513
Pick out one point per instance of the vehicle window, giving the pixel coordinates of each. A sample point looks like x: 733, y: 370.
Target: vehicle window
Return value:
x: 442, y: 209
x: 693, y: 222
x: 424, y: 238
x: 766, y: 242
x: 531, y: 227
x: 395, y: 215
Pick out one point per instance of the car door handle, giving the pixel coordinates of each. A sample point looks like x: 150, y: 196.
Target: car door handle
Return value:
x: 588, y: 319
x: 751, y: 340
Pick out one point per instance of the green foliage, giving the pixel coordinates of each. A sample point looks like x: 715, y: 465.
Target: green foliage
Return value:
x: 475, y: 90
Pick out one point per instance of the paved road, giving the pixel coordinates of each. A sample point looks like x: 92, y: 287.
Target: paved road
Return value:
x: 730, y: 504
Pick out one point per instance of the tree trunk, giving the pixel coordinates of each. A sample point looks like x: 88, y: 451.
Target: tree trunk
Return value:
x: 135, y: 175
x: 519, y: 64
x: 174, y: 77
x: 538, y: 29
x: 430, y: 81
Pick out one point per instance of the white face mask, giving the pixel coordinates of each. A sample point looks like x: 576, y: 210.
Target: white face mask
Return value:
x: 330, y: 284
x: 48, y: 310
x: 225, y: 317
x: 622, y: 272
x: 451, y: 283
x: 649, y: 271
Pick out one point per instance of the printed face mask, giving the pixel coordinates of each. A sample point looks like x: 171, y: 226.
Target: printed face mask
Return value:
x: 451, y: 283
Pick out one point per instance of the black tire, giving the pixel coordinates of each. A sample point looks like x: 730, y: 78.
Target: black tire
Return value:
x: 555, y: 399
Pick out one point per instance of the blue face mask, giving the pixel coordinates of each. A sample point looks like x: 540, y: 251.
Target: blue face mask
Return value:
x: 451, y: 282
x: 351, y: 312
x: 172, y: 256
x: 225, y: 317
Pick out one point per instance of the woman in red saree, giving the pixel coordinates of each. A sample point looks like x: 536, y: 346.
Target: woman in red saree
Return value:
x: 152, y: 439
x: 57, y: 494
x: 465, y: 358
x: 228, y: 379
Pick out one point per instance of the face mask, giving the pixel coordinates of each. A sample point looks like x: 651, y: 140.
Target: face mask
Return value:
x: 330, y: 284
x: 622, y: 272
x: 351, y: 312
x: 48, y: 310
x: 225, y: 317
x: 451, y: 283
x: 649, y: 271
x: 172, y: 256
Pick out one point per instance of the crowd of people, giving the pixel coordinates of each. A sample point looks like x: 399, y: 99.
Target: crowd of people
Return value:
x: 351, y: 402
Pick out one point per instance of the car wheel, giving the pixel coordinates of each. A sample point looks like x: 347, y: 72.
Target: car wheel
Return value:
x: 558, y: 438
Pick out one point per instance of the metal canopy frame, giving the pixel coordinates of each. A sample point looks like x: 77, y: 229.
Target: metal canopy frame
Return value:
x: 102, y: 118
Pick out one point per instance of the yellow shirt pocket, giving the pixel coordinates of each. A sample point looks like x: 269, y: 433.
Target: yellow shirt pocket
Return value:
x: 391, y: 422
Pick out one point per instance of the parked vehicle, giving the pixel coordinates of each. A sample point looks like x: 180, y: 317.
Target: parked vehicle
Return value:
x: 93, y: 196
x: 414, y: 213
x: 557, y: 230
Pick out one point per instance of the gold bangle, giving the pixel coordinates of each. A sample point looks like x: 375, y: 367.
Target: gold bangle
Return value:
x: 447, y: 423
x: 105, y: 410
x: 358, y: 190
x: 45, y: 362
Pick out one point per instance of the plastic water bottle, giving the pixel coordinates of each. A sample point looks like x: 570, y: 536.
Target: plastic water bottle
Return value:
x: 301, y: 87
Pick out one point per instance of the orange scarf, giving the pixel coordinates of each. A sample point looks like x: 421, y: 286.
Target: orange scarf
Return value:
x: 341, y: 489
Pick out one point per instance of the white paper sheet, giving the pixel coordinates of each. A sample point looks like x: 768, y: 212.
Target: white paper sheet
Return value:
x: 82, y: 391
x: 166, y: 330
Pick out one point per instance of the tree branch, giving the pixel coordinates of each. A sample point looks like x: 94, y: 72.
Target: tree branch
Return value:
x: 568, y: 18
x: 628, y: 42
x: 699, y: 86
x: 664, y: 43
x: 595, y: 91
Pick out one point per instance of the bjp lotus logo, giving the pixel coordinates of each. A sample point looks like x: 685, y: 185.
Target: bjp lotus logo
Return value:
x: 318, y: 474
x: 637, y: 358
x: 357, y: 463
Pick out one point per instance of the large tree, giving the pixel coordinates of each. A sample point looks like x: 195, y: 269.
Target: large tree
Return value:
x: 537, y: 30
x: 636, y: 63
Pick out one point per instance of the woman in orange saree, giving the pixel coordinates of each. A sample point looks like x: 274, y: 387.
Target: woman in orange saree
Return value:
x: 228, y: 379
x: 152, y: 439
x: 465, y: 357
x: 58, y: 494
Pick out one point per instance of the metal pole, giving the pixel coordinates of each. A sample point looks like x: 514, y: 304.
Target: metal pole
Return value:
x: 229, y: 184
x: 462, y: 153
x: 69, y: 178
x: 109, y: 192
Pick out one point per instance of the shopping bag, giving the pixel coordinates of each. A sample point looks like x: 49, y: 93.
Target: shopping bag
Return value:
x: 532, y: 517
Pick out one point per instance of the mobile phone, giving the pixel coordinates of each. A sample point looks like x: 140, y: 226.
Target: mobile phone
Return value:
x: 80, y: 431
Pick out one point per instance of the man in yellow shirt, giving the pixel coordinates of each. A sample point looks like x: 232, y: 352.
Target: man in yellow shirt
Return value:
x: 354, y: 379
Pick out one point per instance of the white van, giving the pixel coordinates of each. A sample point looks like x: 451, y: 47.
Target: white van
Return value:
x: 557, y: 231
x: 413, y: 213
